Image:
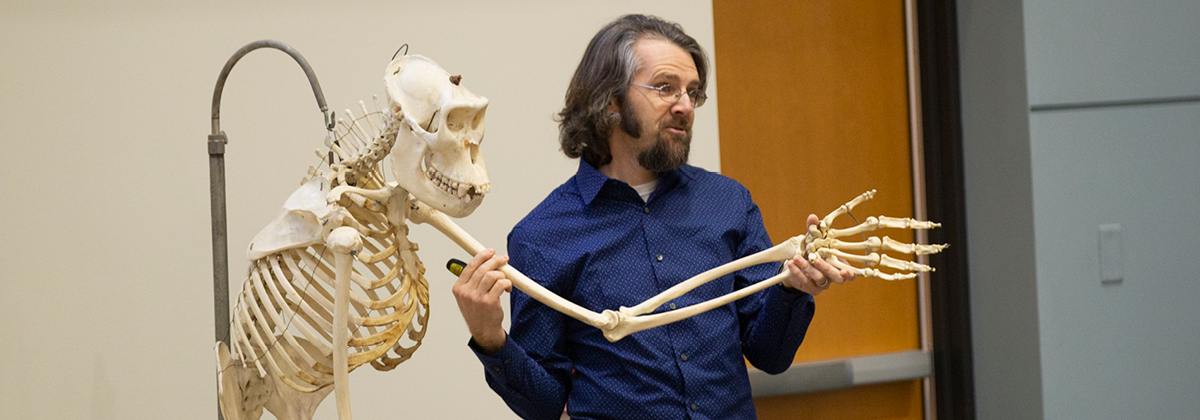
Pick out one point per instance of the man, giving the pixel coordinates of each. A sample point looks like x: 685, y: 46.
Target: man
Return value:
x: 632, y: 222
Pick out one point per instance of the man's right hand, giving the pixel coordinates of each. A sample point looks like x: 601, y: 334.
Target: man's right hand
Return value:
x: 478, y: 291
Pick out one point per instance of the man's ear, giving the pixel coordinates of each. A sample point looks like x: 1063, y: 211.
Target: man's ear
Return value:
x: 613, y: 107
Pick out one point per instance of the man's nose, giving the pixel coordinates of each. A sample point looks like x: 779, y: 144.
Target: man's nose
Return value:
x: 683, y: 106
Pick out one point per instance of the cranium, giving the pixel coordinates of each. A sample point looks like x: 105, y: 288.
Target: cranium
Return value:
x: 436, y: 157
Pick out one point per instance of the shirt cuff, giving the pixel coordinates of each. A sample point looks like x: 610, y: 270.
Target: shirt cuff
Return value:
x: 778, y: 296
x: 496, y: 364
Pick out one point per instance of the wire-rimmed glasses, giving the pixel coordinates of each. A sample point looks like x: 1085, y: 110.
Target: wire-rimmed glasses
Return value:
x: 671, y: 94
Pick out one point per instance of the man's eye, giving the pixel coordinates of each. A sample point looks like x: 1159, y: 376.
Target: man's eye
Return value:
x: 667, y: 89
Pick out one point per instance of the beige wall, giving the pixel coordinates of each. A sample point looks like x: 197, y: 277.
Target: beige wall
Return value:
x: 105, y: 112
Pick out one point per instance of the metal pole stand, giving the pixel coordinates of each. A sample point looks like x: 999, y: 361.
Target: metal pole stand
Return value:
x: 216, y: 178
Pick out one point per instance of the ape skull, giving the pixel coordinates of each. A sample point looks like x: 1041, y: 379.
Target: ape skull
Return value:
x: 436, y: 157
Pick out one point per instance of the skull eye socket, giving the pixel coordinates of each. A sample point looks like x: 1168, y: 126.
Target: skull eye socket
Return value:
x: 457, y: 118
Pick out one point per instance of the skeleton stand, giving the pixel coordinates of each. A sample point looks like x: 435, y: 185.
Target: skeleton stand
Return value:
x: 216, y: 178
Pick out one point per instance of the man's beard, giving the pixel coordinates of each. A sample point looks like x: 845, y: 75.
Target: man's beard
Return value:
x: 669, y: 151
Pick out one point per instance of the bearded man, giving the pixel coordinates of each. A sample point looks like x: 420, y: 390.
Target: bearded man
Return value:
x: 633, y: 221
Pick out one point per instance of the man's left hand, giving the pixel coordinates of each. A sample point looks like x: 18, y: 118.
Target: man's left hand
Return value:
x: 813, y: 278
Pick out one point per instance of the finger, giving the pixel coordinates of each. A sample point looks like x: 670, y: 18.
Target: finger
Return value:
x: 811, y: 273
x: 498, y: 288
x: 793, y: 267
x: 485, y: 284
x: 830, y: 272
x: 487, y: 268
x: 487, y: 265
x: 814, y: 279
x: 795, y: 278
x: 812, y: 220
x: 478, y: 259
x: 805, y: 281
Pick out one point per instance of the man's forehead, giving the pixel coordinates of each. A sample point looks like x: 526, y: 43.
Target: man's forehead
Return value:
x: 660, y: 57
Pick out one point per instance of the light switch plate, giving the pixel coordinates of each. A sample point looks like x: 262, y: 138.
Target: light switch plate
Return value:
x: 1112, y: 254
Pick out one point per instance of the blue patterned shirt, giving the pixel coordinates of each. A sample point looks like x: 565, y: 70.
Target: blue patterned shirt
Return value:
x: 595, y: 242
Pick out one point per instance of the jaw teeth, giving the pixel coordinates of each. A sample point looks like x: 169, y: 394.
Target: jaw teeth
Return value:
x: 462, y: 190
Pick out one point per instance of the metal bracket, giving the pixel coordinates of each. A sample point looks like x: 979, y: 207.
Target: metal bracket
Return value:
x: 216, y: 144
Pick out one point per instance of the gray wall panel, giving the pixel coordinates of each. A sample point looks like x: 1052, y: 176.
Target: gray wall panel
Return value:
x: 1130, y: 349
x: 1098, y: 50
x: 996, y: 169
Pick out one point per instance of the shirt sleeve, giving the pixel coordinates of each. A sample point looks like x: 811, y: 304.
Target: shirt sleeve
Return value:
x: 531, y: 371
x: 773, y: 321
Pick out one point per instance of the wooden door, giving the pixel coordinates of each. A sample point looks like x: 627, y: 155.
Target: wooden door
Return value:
x: 813, y: 112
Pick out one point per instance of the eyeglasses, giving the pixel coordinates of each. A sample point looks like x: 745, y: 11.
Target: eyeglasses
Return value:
x: 671, y: 94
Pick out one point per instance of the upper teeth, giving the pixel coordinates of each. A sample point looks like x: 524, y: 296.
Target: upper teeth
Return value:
x: 464, y: 191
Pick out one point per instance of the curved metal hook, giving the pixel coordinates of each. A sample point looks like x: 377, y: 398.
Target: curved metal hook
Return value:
x: 265, y: 43
x: 402, y: 47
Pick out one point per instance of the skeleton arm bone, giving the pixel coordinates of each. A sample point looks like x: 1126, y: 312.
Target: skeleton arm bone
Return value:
x: 345, y: 243
x: 616, y: 325
x: 421, y: 213
x: 783, y: 251
x: 631, y: 324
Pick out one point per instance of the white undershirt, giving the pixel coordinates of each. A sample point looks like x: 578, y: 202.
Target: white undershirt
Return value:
x: 646, y: 189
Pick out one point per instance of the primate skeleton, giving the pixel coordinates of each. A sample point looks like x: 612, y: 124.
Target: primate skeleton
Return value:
x: 302, y: 322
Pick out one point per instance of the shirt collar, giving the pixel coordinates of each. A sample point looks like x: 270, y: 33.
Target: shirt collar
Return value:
x: 590, y: 181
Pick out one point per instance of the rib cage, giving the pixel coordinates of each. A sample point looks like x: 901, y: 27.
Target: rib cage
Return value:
x: 283, y: 319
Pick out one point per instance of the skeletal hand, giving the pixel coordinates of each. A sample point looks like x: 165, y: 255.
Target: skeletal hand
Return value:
x: 815, y: 277
x: 478, y: 291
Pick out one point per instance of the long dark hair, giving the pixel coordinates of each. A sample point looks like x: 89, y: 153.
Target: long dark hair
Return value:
x: 604, y: 74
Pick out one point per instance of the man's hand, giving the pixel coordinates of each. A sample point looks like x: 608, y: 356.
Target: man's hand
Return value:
x: 816, y: 277
x: 478, y: 291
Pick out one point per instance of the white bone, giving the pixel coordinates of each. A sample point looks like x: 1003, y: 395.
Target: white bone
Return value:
x: 890, y: 244
x: 298, y: 224
x: 342, y: 241
x: 375, y: 131
x: 882, y: 222
x: 783, y: 251
x: 437, y: 219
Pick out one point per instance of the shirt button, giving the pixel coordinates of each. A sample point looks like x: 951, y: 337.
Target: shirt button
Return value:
x: 683, y: 357
x: 672, y: 305
x: 694, y: 407
x: 659, y: 257
x: 497, y: 368
x: 646, y: 209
